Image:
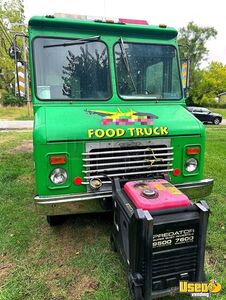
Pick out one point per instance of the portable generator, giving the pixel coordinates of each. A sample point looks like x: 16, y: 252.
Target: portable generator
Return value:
x: 160, y: 234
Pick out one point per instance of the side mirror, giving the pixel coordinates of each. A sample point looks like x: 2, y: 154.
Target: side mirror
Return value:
x: 185, y: 75
x: 14, y: 52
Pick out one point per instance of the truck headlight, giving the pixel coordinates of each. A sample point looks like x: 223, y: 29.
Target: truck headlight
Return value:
x: 58, y: 176
x: 191, y: 165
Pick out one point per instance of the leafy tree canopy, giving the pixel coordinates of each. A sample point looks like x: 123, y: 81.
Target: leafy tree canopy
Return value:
x: 193, y: 39
x: 11, y: 21
x: 211, y: 82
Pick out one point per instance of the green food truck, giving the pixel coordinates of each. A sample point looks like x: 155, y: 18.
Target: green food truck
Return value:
x: 108, y: 102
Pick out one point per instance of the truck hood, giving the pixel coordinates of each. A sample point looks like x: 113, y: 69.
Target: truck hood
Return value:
x: 95, y: 123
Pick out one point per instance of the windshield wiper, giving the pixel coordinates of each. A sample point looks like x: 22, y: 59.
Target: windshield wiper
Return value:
x: 76, y: 42
x: 126, y: 62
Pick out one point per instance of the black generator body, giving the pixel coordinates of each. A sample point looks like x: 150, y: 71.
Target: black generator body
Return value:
x: 160, y: 247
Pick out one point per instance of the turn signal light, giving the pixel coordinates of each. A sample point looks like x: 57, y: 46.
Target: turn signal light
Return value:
x: 58, y: 160
x: 162, y: 25
x: 193, y: 150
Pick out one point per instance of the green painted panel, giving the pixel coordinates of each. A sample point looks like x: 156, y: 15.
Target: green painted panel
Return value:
x: 103, y: 122
x: 63, y: 127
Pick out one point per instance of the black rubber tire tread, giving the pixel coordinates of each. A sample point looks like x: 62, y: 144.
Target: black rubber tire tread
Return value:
x: 216, y: 121
x: 55, y: 220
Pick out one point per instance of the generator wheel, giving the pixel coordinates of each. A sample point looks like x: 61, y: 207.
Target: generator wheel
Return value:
x: 55, y: 220
x: 112, y: 243
x: 137, y: 293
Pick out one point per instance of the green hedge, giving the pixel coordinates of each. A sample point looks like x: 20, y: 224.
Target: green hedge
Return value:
x: 206, y: 102
x: 8, y: 99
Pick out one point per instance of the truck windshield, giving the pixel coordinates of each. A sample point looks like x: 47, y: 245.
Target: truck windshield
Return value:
x: 70, y: 70
x: 147, y: 71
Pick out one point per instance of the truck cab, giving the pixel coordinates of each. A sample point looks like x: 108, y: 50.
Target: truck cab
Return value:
x: 108, y: 102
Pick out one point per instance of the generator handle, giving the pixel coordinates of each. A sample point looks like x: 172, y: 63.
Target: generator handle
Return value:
x: 204, y: 216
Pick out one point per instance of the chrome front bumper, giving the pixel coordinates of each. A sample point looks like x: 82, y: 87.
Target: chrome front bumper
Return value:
x: 197, y: 189
x: 93, y: 202
x: 72, y: 203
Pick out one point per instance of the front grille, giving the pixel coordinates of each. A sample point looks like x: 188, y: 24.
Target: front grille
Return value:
x: 127, y: 159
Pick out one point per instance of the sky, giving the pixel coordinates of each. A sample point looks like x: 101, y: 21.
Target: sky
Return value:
x: 174, y: 13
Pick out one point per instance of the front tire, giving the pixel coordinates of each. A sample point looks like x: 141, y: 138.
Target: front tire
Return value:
x: 55, y: 220
x: 216, y: 121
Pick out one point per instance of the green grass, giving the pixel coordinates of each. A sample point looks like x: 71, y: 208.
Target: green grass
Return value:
x: 74, y: 261
x: 215, y: 168
x: 15, y: 113
x: 221, y: 111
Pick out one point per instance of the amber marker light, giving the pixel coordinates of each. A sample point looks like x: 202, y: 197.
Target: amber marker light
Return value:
x: 162, y: 25
x: 58, y: 160
x: 176, y: 172
x: 192, y: 150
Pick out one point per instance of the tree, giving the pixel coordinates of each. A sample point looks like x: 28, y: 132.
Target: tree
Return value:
x: 85, y: 74
x: 212, y: 81
x: 193, y: 40
x: 11, y: 21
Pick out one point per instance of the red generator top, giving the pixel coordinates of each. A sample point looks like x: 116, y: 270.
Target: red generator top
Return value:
x: 155, y: 194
